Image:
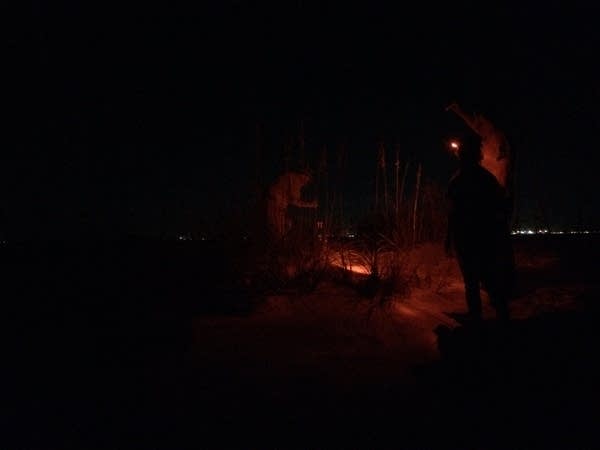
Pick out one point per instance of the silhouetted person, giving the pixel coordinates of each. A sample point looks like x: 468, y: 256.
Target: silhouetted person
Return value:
x: 478, y: 231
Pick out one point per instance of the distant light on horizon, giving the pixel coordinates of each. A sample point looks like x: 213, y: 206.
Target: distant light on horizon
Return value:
x: 546, y: 231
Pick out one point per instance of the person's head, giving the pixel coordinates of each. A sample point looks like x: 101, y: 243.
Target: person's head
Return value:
x: 469, y: 150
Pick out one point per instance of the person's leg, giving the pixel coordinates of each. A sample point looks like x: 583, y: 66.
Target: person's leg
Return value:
x: 500, y: 293
x: 502, y: 310
x: 497, y: 281
x: 469, y: 267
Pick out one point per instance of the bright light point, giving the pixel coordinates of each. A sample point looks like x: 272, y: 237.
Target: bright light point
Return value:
x: 454, y: 145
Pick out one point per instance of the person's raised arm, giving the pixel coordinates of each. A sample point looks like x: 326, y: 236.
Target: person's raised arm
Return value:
x: 469, y: 119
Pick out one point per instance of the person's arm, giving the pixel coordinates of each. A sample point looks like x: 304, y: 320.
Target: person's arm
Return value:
x: 500, y: 202
x: 449, y: 243
x: 470, y: 120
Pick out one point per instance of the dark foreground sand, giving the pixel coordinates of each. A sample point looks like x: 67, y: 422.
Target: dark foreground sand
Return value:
x: 139, y: 346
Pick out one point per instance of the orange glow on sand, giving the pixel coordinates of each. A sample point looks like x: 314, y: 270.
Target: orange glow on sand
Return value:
x: 354, y: 268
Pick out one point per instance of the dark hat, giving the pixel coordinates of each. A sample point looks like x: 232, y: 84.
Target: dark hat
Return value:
x: 470, y: 148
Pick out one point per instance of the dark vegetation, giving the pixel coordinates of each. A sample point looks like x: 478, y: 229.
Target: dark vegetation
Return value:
x: 99, y: 357
x: 101, y: 349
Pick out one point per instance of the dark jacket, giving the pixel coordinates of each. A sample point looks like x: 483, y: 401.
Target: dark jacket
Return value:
x: 477, y: 208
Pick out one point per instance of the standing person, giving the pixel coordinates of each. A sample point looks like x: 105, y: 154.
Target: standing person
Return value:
x: 478, y: 231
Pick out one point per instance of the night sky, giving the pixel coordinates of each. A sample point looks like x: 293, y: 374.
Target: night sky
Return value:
x: 144, y: 119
